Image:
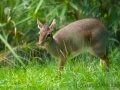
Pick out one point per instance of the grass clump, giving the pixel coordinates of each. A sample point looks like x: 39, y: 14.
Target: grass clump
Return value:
x: 75, y: 76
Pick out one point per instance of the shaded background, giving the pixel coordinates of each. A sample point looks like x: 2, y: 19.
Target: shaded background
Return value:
x: 18, y: 27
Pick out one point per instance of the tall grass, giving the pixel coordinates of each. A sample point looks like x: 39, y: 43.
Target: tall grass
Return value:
x: 11, y: 50
x: 76, y: 75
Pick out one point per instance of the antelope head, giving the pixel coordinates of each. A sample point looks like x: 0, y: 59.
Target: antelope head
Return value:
x: 45, y: 32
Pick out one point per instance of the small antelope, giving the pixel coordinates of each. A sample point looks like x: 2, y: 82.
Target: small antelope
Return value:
x: 75, y: 38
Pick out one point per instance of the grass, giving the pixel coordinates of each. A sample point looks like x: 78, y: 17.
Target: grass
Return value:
x: 76, y: 75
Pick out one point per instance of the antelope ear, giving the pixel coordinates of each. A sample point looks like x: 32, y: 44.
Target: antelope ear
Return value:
x: 52, y: 25
x: 40, y: 25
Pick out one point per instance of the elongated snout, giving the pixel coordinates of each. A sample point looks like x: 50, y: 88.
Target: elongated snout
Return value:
x: 40, y: 43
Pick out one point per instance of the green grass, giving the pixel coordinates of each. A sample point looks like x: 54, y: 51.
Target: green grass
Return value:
x: 78, y: 74
x: 75, y: 76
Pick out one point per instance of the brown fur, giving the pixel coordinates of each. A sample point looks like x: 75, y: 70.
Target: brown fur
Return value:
x: 74, y: 38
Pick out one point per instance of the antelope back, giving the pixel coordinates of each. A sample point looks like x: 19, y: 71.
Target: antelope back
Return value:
x: 82, y: 34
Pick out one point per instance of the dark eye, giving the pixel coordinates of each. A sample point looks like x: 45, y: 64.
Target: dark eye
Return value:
x: 48, y: 35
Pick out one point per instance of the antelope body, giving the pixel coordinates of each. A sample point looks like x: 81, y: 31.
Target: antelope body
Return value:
x: 75, y: 38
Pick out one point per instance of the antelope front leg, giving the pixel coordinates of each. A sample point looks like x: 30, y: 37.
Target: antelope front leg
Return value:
x: 61, y: 64
x: 105, y: 58
x: 106, y: 62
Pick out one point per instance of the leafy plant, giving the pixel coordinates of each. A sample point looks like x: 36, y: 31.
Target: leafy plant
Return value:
x: 18, y: 18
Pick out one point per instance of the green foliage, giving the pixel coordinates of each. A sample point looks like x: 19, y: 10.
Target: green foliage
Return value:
x: 12, y: 51
x: 80, y: 75
x: 18, y: 31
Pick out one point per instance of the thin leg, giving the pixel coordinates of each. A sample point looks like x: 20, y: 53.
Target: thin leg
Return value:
x: 101, y: 53
x: 105, y: 58
x: 61, y: 64
x: 101, y: 62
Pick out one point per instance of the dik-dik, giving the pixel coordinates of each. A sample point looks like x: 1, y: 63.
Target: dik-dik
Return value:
x: 75, y: 38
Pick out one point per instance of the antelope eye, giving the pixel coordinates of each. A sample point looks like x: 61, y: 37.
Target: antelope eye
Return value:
x: 48, y: 35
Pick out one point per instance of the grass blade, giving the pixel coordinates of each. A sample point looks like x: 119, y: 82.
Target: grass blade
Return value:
x: 74, y: 6
x: 63, y: 11
x: 55, y: 9
x: 12, y: 51
x: 38, y: 6
x: 23, y: 20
